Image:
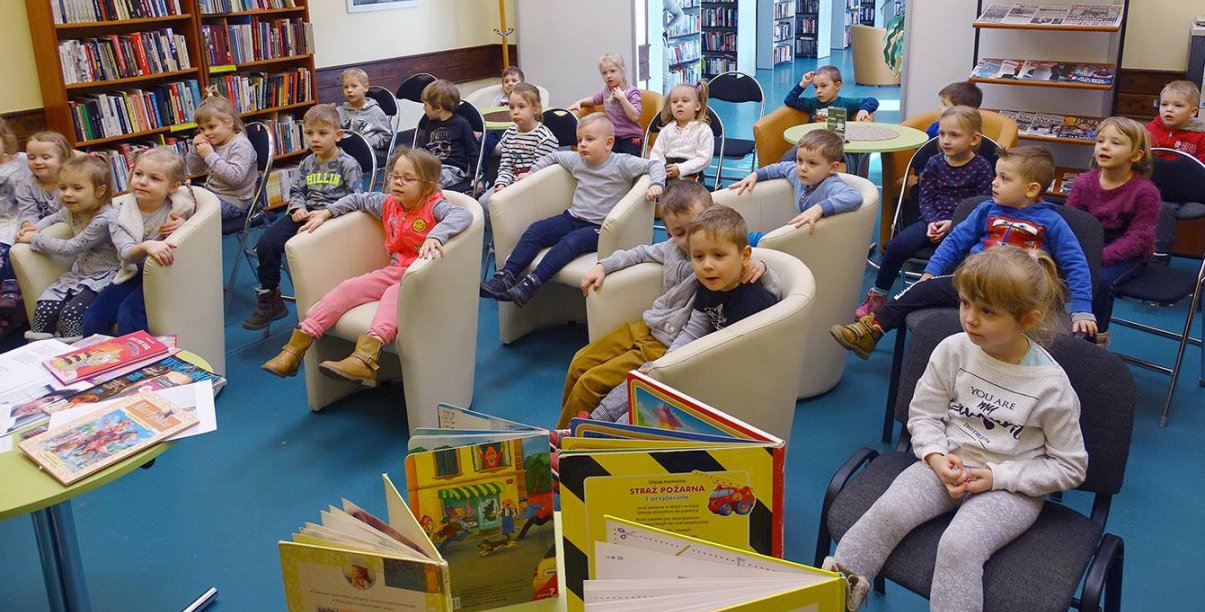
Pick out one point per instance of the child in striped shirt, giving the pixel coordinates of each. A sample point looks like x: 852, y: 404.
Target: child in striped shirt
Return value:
x: 523, y: 143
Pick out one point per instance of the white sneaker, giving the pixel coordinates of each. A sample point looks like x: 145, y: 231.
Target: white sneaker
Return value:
x: 856, y: 587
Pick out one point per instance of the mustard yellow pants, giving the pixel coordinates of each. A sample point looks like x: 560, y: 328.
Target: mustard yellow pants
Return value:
x: 604, y: 364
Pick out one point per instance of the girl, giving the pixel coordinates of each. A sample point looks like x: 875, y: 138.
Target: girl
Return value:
x: 523, y: 143
x: 621, y: 103
x: 686, y: 143
x: 14, y: 170
x: 221, y: 149
x: 1118, y: 192
x: 418, y: 222
x: 995, y: 423
x: 85, y: 190
x: 493, y: 140
x: 957, y: 173
x: 156, y: 206
x: 37, y: 196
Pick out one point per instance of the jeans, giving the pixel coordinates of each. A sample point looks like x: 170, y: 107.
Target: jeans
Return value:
x: 937, y: 292
x: 568, y: 236
x: 898, y: 250
x: 628, y: 144
x: 1107, y: 279
x: 232, y: 208
x: 271, y: 249
x: 122, y: 304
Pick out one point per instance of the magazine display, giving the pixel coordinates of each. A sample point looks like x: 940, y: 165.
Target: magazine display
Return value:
x: 1064, y: 178
x: 1054, y: 126
x: 105, y: 356
x: 104, y: 437
x: 1038, y: 72
x: 1073, y: 15
x: 168, y: 372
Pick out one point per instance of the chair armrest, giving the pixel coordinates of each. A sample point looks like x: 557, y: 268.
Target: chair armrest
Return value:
x: 766, y: 207
x: 630, y: 223
x: 767, y: 133
x: 857, y: 461
x: 1106, y: 568
x: 343, y: 247
x: 624, y: 297
x: 37, y: 271
x: 587, y: 109
x: 539, y: 195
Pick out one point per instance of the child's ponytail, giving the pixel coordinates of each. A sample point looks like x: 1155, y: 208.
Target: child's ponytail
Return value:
x: 1017, y: 281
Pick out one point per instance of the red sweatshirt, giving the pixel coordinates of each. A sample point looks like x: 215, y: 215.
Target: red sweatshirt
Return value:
x: 1128, y: 214
x: 1189, y: 139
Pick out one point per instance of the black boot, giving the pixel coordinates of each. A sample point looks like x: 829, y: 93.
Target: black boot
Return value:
x: 269, y: 307
x: 522, y: 293
x: 496, y: 287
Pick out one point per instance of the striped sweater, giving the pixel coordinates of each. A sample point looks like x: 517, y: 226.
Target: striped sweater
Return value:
x: 520, y: 150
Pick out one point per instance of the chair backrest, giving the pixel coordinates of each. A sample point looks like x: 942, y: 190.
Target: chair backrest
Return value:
x: 736, y: 87
x: 907, y: 211
x: 355, y: 145
x: 262, y: 141
x: 384, y: 98
x: 477, y: 122
x: 412, y: 87
x: 870, y: 68
x: 563, y: 125
x: 1179, y: 176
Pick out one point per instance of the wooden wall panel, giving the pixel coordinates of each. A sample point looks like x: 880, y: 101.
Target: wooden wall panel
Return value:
x: 1138, y: 91
x: 456, y: 65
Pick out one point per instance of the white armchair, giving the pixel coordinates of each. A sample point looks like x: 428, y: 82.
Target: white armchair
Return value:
x: 484, y: 97
x: 182, y: 300
x: 544, y: 194
x: 436, y: 345
x: 836, y: 254
x: 750, y: 369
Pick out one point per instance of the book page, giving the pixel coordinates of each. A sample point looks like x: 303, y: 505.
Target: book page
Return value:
x: 343, y: 522
x: 616, y: 561
x: 195, y: 398
x: 403, y: 520
x: 331, y: 578
x: 455, y: 417
x: 369, y: 521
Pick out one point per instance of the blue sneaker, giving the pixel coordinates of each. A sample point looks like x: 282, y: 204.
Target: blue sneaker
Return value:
x: 522, y: 293
x: 496, y: 287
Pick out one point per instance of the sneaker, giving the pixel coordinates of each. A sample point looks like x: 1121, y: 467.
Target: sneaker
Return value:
x: 268, y: 307
x: 856, y: 587
x: 873, y: 302
x: 522, y: 293
x: 859, y: 337
x: 496, y: 287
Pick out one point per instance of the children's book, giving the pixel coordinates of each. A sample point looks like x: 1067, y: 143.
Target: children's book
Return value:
x: 481, y: 488
x: 642, y: 568
x: 681, y: 466
x: 109, y: 355
x: 171, y: 371
x: 108, y: 435
x: 353, y: 560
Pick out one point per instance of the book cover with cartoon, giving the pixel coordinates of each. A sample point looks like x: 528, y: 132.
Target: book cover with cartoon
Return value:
x: 108, y: 355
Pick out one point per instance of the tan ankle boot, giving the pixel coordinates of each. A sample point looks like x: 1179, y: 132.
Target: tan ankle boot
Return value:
x: 286, y: 363
x: 360, y: 366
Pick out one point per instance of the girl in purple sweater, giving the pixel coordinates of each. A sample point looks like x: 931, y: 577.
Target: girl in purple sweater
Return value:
x: 1118, y: 192
x: 621, y: 103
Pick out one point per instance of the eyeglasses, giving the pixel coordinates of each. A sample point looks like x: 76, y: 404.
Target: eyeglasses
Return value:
x: 402, y: 178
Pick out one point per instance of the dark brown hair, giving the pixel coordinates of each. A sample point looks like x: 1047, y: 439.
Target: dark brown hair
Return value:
x: 962, y: 93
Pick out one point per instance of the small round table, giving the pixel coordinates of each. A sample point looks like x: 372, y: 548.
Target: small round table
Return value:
x: 497, y: 118
x: 898, y: 138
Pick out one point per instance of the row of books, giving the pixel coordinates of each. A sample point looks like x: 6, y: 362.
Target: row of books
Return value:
x: 121, y: 159
x: 719, y: 41
x: 84, y: 11
x: 289, y: 137
x: 718, y: 65
x: 690, y: 25
x: 256, y: 40
x: 212, y: 7
x: 808, y: 24
x: 1081, y: 15
x: 784, y: 10
x: 719, y: 17
x: 685, y: 51
x: 782, y: 31
x: 118, y: 113
x: 806, y: 47
x: 1054, y: 126
x: 688, y: 73
x: 809, y: 6
x: 783, y: 53
x: 1044, y: 71
x: 259, y: 91
x: 118, y: 57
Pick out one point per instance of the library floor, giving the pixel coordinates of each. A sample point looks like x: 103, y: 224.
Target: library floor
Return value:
x: 212, y: 508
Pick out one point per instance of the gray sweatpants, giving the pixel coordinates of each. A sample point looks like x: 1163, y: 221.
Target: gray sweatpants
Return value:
x: 983, y: 523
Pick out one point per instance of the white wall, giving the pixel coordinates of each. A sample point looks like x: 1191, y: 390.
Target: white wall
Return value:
x: 18, y: 74
x: 565, y: 39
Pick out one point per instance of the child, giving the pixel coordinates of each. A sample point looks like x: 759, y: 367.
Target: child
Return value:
x: 827, y: 82
x: 602, y: 180
x: 946, y: 180
x: 959, y: 93
x: 143, y: 220
x: 990, y: 464
x: 418, y: 222
x: 362, y: 114
x: 221, y: 149
x: 819, y: 192
x: 85, y: 190
x: 447, y: 136
x: 324, y: 176
x: 1177, y: 127
x: 603, y: 364
x: 1118, y: 192
x: 1017, y: 215
x: 14, y: 170
x: 685, y: 144
x: 524, y: 143
x: 511, y: 76
x: 621, y: 104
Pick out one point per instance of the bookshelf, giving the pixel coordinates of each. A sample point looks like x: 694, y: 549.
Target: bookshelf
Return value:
x: 845, y: 14
x: 684, y: 49
x: 866, y: 13
x: 728, y: 37
x: 775, y: 33
x: 811, y: 37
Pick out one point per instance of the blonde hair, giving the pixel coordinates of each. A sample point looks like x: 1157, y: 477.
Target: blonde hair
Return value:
x: 218, y: 107
x: 354, y: 73
x: 442, y: 95
x: 531, y: 94
x: 1139, y: 140
x: 1184, y: 88
x: 8, y: 138
x: 322, y: 114
x: 721, y: 223
x: 426, y: 167
x: 700, y: 91
x: 171, y: 160
x: 1034, y: 164
x: 968, y: 118
x: 828, y: 144
x: 617, y: 60
x: 599, y: 118
x: 58, y: 140
x: 1017, y: 281
x: 95, y: 170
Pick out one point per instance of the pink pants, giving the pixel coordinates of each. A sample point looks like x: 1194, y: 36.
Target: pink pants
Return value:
x: 376, y: 285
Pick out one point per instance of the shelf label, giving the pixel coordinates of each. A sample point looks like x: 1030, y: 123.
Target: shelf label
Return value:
x: 180, y: 127
x: 222, y: 68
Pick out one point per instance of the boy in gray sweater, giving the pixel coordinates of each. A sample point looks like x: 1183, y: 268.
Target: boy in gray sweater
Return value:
x: 362, y: 114
x: 603, y: 178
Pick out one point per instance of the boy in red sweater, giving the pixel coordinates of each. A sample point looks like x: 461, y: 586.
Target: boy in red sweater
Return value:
x: 1177, y: 127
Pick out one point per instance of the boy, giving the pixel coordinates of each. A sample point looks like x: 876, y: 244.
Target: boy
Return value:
x: 603, y: 364
x: 362, y: 114
x: 323, y: 177
x: 602, y: 178
x: 720, y: 259
x: 446, y: 135
x: 1015, y: 215
x: 959, y: 93
x: 819, y: 192
x: 1177, y: 127
x: 827, y: 82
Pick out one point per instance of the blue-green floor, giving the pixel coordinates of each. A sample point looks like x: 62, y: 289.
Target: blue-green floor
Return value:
x: 212, y: 508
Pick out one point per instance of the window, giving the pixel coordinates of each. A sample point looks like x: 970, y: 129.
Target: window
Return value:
x: 447, y: 463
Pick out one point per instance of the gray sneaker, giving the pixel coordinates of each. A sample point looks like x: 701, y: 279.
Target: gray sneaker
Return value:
x: 856, y: 587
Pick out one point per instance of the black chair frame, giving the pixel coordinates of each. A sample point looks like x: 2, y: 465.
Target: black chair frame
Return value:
x: 356, y: 146
x: 563, y: 125
x: 384, y: 98
x: 263, y: 140
x: 717, y: 132
x: 477, y: 123
x: 735, y: 87
x: 411, y: 90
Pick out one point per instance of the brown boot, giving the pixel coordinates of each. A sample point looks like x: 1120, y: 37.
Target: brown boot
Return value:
x: 286, y: 363
x: 360, y: 366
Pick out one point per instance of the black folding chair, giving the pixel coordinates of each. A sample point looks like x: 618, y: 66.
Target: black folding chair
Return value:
x: 262, y: 140
x: 477, y: 123
x: 717, y: 132
x: 737, y: 88
x: 388, y: 105
x: 563, y: 125
x: 356, y: 146
x: 411, y: 90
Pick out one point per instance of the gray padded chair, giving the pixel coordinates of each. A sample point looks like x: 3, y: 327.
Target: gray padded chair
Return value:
x: 1041, y: 569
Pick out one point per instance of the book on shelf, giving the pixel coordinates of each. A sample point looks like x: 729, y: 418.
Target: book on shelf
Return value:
x: 1080, y: 15
x: 276, y: 190
x: 1044, y: 71
x: 85, y: 11
x: 118, y: 113
x: 353, y: 560
x: 1079, y: 128
x: 679, y: 465
x: 1095, y: 15
x: 784, y: 9
x: 289, y: 136
x: 171, y: 371
x: 646, y: 569
x: 257, y: 91
x: 115, y: 57
x: 1044, y: 124
x: 481, y: 487
x: 97, y: 359
x: 1064, y: 178
x: 256, y: 40
x: 210, y: 7
x: 99, y: 439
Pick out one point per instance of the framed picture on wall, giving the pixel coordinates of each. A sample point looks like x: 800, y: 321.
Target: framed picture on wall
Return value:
x: 361, y: 6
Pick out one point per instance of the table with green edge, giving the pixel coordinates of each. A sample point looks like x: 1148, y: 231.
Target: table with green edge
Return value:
x: 497, y: 118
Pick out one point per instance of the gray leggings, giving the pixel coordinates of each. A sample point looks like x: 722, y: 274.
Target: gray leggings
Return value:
x: 983, y: 524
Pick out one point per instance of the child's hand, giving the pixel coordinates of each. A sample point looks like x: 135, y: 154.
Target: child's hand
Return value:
x: 161, y: 251
x: 924, y: 277
x: 645, y: 367
x: 809, y: 218
x: 671, y: 171
x: 173, y: 223
x: 653, y: 193
x: 617, y: 94
x: 26, y: 235
x: 753, y: 272
x: 314, y: 220
x: 1084, y: 326
x: 594, y: 279
x: 299, y: 215
x: 948, y: 467
x: 863, y: 115
x: 938, y: 230
x: 431, y: 248
x: 806, y: 79
x: 522, y: 175
x: 577, y: 106
x: 745, y: 184
x: 979, y: 480
x: 500, y: 186
x: 202, y: 145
